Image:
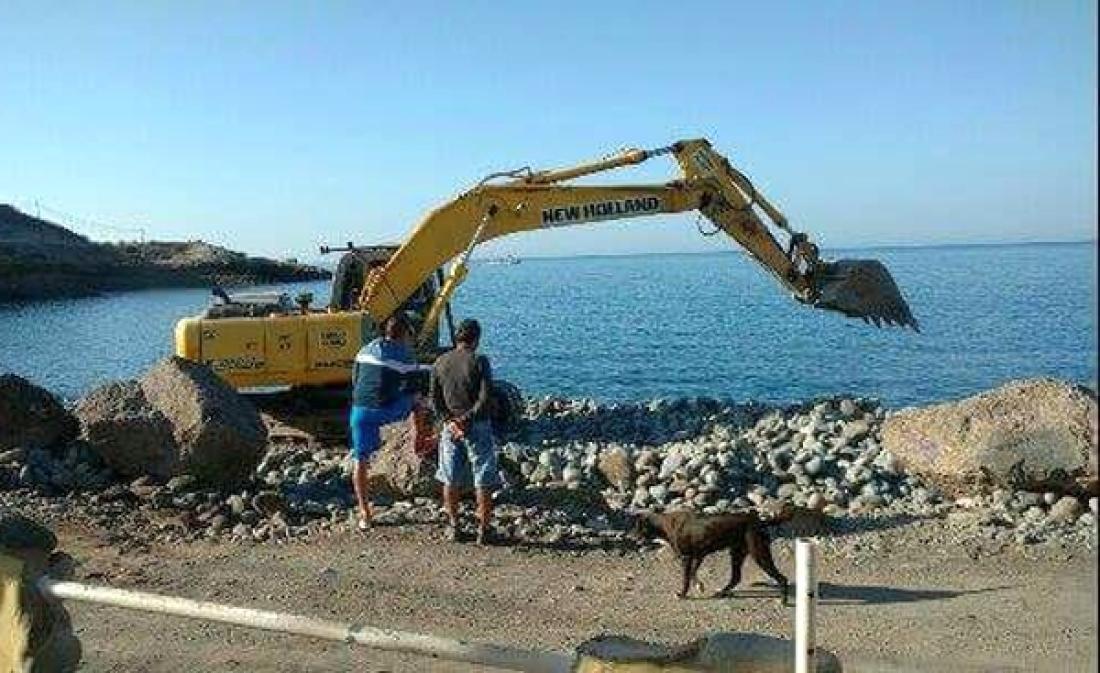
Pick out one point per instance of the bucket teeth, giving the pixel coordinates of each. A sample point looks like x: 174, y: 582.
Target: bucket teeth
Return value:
x: 863, y: 288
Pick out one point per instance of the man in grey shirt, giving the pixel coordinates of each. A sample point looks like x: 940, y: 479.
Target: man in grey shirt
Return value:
x: 461, y: 384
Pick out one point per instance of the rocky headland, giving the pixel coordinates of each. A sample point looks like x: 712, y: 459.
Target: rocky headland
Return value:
x: 41, y: 260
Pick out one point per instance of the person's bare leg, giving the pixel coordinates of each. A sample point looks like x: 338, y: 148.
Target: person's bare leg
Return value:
x: 450, y: 506
x: 484, y: 506
x: 450, y: 503
x: 484, y: 512
x: 359, y: 481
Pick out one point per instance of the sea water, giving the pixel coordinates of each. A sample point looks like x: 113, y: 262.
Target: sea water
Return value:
x: 648, y: 326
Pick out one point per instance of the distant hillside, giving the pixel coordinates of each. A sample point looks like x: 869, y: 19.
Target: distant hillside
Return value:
x: 40, y: 259
x: 17, y: 228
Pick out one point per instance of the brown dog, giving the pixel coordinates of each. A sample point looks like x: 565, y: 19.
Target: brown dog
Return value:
x: 695, y: 536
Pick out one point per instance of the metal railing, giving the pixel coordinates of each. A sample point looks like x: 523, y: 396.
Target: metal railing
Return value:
x: 486, y: 654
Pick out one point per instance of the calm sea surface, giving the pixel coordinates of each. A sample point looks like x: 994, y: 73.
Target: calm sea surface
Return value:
x: 620, y: 328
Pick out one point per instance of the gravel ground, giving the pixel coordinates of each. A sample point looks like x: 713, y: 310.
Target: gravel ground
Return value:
x: 1002, y: 578
x: 901, y: 592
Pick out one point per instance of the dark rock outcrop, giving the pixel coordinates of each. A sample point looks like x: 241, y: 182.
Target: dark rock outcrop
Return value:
x: 40, y: 259
x: 31, y: 417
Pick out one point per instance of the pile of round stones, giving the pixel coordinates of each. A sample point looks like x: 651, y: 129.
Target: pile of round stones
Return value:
x: 717, y: 457
x: 573, y: 470
x: 294, y: 492
x: 77, y: 467
x: 712, y: 456
x: 1026, y: 517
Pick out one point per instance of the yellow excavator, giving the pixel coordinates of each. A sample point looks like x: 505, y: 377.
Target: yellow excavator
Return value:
x: 265, y: 342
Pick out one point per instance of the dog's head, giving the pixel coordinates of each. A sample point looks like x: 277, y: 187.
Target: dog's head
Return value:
x: 644, y: 528
x: 779, y: 513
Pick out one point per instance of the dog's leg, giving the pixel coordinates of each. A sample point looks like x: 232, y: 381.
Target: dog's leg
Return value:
x: 695, y: 574
x: 686, y: 565
x: 760, y: 548
x: 737, y: 559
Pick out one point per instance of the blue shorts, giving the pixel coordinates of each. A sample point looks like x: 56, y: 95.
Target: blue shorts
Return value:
x: 366, y: 425
x: 470, y: 459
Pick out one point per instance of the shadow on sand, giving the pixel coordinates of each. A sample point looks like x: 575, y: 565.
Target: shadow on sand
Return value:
x: 856, y: 525
x: 862, y: 594
x: 867, y: 594
x: 843, y: 526
x: 619, y: 547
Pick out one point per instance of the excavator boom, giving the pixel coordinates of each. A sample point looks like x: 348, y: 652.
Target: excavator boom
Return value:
x: 524, y: 200
x: 270, y: 345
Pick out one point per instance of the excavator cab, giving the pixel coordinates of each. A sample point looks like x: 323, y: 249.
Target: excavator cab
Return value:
x: 354, y: 269
x: 351, y: 272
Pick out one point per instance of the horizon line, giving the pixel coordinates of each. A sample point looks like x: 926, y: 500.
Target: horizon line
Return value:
x: 874, y: 246
x: 737, y: 251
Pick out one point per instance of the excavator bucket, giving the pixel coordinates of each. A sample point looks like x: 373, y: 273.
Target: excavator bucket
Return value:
x: 863, y: 288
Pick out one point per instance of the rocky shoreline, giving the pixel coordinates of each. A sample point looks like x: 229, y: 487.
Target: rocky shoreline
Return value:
x: 42, y: 260
x: 576, y: 470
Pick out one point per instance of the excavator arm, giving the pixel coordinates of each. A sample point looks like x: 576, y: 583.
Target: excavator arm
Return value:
x: 525, y: 200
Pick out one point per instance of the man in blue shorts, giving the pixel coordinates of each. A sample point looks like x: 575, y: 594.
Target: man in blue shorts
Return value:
x: 461, y: 384
x: 379, y: 396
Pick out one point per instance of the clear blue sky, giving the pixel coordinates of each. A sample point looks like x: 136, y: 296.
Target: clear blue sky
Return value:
x: 273, y: 126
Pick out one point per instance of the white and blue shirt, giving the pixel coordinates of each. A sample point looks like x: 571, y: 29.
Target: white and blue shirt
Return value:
x: 378, y: 374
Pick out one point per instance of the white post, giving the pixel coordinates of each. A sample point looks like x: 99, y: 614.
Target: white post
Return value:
x: 495, y: 656
x: 805, y: 562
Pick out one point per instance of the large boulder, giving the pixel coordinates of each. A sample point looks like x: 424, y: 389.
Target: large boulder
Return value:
x: 1037, y: 434
x: 220, y: 434
x: 616, y: 467
x: 397, y: 470
x: 178, y: 418
x: 127, y: 432
x: 31, y: 417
